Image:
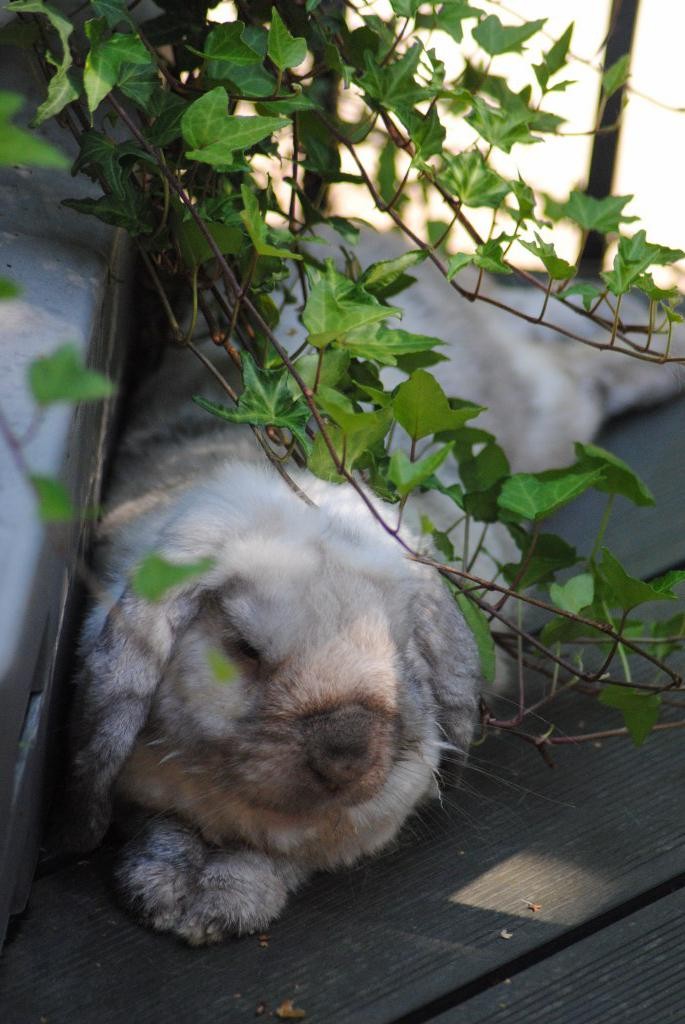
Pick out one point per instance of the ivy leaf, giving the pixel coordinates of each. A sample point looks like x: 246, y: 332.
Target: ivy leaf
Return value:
x: 62, y: 377
x: 450, y: 16
x: 468, y: 176
x: 393, y: 86
x: 113, y: 11
x: 226, y: 44
x: 265, y: 401
x: 501, y: 126
x: 407, y: 475
x: 154, y: 576
x: 386, y: 345
x: 8, y: 289
x: 589, y: 293
x: 633, y: 256
x: 196, y: 250
x: 574, y: 595
x: 490, y: 256
x: 336, y: 306
x: 625, y: 591
x: 602, y: 215
x: 421, y: 407
x: 379, y: 276
x: 54, y: 503
x: 482, y: 471
x: 495, y: 38
x: 536, y: 495
x: 222, y: 668
x: 554, y: 60
x: 101, y: 157
x: 212, y: 135
x: 640, y: 709
x: 617, y: 476
x: 616, y: 76
x: 131, y: 212
x: 664, y: 584
x: 550, y: 555
x: 257, y: 229
x: 18, y: 146
x: 373, y: 426
x: 558, y: 269
x: 478, y: 624
x: 285, y: 50
x: 61, y: 87
x: 106, y: 60
x: 167, y: 109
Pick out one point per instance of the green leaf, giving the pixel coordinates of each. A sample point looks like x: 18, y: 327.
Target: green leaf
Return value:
x: 212, y: 135
x: 393, y: 86
x: 226, y: 44
x: 482, y: 471
x: 450, y: 16
x: 378, y: 276
x: 407, y: 475
x: 113, y: 11
x: 617, y: 476
x: 223, y: 669
x: 574, y: 595
x: 334, y: 365
x: 62, y: 86
x: 373, y: 426
x: 602, y: 215
x: 664, y: 584
x: 558, y: 269
x: 503, y: 127
x: 640, y: 709
x: 196, y: 250
x: 550, y: 555
x: 62, y: 90
x: 131, y: 212
x: 496, y: 38
x: 18, y: 146
x: 257, y: 229
x: 386, y: 345
x: 8, y: 289
x: 265, y: 401
x: 154, y: 576
x: 536, y: 495
x: 616, y: 76
x: 62, y: 377
x: 554, y: 60
x: 490, y: 256
x: 106, y: 60
x: 285, y: 50
x: 633, y: 256
x: 478, y: 624
x: 458, y: 262
x: 421, y: 407
x: 336, y: 306
x: 54, y: 503
x: 625, y: 591
x: 472, y: 180
x: 589, y: 293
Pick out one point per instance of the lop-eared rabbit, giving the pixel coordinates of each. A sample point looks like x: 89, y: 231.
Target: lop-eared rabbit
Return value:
x: 356, y: 672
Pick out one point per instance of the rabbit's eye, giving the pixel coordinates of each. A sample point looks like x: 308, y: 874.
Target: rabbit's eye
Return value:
x: 245, y: 649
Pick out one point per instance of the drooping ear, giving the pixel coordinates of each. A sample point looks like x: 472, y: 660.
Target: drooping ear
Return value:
x: 114, y: 692
x: 448, y: 647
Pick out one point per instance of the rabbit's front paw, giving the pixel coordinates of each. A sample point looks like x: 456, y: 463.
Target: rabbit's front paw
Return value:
x: 171, y: 880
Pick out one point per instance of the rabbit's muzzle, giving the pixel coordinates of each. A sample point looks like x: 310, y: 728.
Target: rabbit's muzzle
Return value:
x: 345, y: 745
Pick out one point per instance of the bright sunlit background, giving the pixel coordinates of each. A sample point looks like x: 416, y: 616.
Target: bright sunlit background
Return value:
x: 651, y: 152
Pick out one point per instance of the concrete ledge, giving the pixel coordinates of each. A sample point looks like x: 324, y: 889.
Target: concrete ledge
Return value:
x: 75, y: 275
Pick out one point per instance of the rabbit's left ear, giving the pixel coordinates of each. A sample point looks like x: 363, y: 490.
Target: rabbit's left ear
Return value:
x: 114, y: 692
x: 447, y: 645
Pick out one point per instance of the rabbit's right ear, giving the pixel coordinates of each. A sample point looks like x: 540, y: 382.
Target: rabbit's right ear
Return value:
x: 114, y: 692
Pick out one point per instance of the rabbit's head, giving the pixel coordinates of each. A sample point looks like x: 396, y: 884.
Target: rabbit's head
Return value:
x: 352, y: 665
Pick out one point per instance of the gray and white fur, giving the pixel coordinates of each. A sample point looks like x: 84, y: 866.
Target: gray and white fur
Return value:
x: 355, y: 669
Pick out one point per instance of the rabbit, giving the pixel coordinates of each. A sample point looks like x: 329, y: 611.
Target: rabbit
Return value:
x: 355, y: 670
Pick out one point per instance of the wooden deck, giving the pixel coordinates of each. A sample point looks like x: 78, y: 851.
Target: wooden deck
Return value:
x: 440, y: 928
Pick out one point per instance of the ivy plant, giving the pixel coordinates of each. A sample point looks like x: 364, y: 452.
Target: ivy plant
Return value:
x: 217, y: 145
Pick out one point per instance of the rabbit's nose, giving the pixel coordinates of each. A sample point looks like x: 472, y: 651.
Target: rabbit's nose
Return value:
x: 339, y: 744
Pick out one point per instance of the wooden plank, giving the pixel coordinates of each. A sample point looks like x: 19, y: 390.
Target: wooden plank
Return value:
x: 628, y: 973
x: 373, y: 943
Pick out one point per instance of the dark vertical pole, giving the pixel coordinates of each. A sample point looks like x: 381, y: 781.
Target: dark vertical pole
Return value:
x: 619, y: 41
